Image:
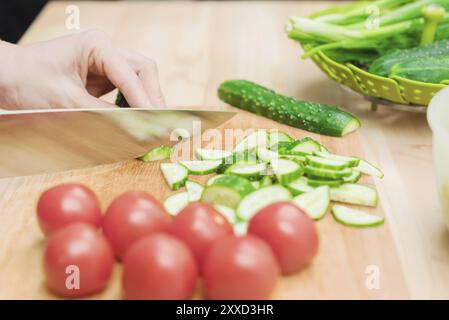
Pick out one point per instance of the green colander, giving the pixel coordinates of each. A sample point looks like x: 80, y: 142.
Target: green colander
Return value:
x: 395, y: 90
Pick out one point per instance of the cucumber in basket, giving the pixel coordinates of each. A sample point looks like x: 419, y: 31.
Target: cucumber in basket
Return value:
x: 310, y: 116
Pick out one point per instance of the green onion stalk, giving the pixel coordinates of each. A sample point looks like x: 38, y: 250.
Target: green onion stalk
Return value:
x: 357, y: 11
x: 403, y: 24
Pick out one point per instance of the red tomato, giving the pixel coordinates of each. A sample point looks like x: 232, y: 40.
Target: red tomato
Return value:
x: 199, y: 225
x: 290, y: 233
x: 131, y: 216
x: 65, y: 204
x: 78, y: 261
x: 159, y: 266
x: 240, y: 268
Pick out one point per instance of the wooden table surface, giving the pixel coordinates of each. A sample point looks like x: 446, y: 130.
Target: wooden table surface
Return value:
x: 197, y: 45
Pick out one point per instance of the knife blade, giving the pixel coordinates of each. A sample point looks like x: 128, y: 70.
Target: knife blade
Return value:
x: 39, y: 141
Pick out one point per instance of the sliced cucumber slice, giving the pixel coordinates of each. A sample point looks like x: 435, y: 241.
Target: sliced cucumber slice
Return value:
x: 212, y: 154
x: 240, y: 228
x: 256, y: 184
x: 355, y: 194
x: 282, y: 147
x: 368, y: 168
x: 212, y: 179
x: 175, y: 175
x: 248, y: 156
x: 159, y: 153
x: 283, y: 150
x: 286, y: 170
x: 259, y: 199
x: 320, y: 182
x: 353, y: 178
x: 306, y: 145
x: 265, y: 182
x: 202, y: 166
x: 227, y: 212
x: 326, y: 163
x: 321, y: 173
x: 194, y: 190
x: 278, y: 136
x: 252, y: 141
x: 176, y: 202
x: 315, y: 202
x: 352, y: 162
x: 228, y: 191
x: 355, y: 218
x: 323, y: 149
x: 299, y: 186
x: 294, y: 157
x: 249, y: 170
x: 270, y: 173
x: 266, y: 155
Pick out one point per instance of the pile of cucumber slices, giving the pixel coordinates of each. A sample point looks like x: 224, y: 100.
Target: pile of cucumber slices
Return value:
x: 268, y: 167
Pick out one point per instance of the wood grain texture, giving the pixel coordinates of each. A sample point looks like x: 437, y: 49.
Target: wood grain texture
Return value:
x: 198, y: 45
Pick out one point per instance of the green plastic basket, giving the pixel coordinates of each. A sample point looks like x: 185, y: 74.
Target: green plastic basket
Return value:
x: 397, y: 90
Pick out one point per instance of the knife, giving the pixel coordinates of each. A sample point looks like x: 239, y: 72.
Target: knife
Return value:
x: 39, y: 141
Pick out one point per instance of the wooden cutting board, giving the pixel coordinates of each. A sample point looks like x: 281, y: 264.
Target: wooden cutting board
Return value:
x: 352, y: 263
x: 211, y: 42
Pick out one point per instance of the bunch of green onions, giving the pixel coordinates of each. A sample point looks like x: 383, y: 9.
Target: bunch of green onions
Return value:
x: 362, y: 31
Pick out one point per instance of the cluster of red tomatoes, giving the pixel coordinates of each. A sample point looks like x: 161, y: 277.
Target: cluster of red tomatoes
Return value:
x: 163, y: 257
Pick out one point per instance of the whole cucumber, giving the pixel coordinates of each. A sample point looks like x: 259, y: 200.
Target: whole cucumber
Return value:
x: 310, y: 116
x: 430, y: 69
x: 384, y: 65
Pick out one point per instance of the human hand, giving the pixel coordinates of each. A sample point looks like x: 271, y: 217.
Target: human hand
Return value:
x: 73, y: 72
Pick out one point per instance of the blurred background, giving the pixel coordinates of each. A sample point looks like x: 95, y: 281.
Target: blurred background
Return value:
x: 17, y: 15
